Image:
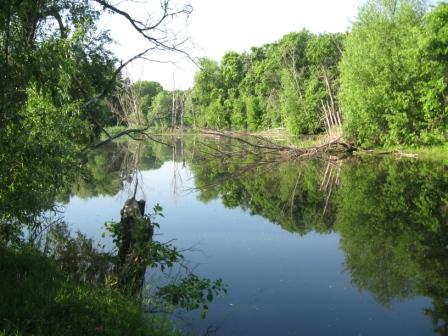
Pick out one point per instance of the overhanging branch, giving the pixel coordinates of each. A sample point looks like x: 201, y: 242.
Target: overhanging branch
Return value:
x: 145, y: 29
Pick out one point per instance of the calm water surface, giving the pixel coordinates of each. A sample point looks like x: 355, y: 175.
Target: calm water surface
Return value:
x: 306, y: 248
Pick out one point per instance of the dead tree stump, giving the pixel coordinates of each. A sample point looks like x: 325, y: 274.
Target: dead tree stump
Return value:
x: 136, y: 232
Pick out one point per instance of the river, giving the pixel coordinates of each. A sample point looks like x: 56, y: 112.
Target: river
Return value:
x: 353, y: 247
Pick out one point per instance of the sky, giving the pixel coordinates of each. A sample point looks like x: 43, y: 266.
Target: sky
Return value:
x: 218, y: 26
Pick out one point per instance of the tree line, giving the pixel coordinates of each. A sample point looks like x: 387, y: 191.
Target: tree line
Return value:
x: 384, y: 83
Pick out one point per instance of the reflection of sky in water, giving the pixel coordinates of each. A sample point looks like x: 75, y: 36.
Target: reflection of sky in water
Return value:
x: 279, y: 283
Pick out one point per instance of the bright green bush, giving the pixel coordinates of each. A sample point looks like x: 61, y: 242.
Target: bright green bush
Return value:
x: 392, y: 77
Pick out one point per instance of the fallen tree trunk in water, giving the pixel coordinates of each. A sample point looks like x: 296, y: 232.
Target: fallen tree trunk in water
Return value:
x: 334, y: 150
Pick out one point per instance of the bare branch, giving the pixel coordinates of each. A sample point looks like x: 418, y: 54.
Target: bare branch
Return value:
x: 226, y: 135
x: 144, y: 30
x: 109, y: 85
x: 118, y: 135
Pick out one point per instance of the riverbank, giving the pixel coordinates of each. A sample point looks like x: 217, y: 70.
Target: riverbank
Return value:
x: 436, y: 152
x: 39, y: 299
x: 281, y: 136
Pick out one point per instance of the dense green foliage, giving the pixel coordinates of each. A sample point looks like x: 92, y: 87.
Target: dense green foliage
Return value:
x: 282, y: 84
x: 394, y: 74
x: 387, y: 77
x: 147, y: 90
x: 51, y: 54
x: 39, y: 299
x: 168, y: 110
x: 52, y: 61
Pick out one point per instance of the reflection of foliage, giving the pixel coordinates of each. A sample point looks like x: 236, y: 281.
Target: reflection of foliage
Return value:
x: 393, y: 223
x: 392, y: 219
x: 439, y: 313
x: 286, y: 193
x: 101, y: 174
x: 192, y: 293
x: 108, y: 168
x: 77, y: 256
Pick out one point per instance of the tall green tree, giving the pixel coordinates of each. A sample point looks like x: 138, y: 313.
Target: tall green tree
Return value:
x: 281, y: 84
x: 390, y: 93
x: 147, y: 91
x: 161, y: 109
x: 433, y: 85
x: 56, y: 71
x: 208, y: 95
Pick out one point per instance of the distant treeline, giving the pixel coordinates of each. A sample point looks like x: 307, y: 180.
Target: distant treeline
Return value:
x: 387, y: 79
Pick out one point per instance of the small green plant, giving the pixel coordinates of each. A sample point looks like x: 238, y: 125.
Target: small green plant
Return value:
x: 192, y: 293
x: 189, y: 292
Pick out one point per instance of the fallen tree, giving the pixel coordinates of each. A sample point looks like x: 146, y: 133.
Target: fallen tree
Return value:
x: 333, y: 150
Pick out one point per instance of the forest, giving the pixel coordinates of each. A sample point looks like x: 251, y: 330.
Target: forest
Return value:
x: 63, y: 93
x: 383, y: 83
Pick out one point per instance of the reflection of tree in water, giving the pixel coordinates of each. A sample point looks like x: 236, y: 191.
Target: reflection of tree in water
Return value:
x: 391, y: 215
x: 296, y: 196
x: 118, y: 167
x: 393, y: 225
x: 104, y: 171
x: 111, y: 168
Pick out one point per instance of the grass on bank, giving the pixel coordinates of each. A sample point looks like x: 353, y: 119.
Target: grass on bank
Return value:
x: 281, y: 136
x: 37, y: 299
x: 436, y: 152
